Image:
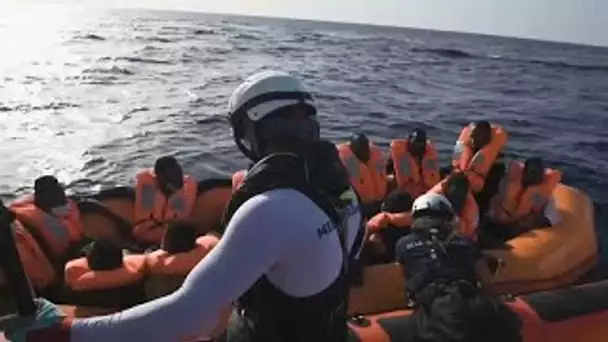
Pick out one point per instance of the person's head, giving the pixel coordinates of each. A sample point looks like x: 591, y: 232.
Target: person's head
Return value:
x: 359, y: 144
x: 457, y: 190
x: 417, y: 143
x: 397, y: 202
x: 49, y: 195
x: 180, y: 237
x: 481, y: 134
x: 325, y: 166
x: 534, y: 171
x: 433, y: 214
x: 103, y: 255
x: 271, y: 111
x: 169, y: 174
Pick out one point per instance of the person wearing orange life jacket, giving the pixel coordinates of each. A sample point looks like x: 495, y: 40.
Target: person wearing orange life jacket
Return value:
x: 179, y: 252
x: 476, y: 151
x: 457, y: 190
x: 367, y: 170
x: 389, y: 225
x: 525, y: 201
x: 415, y: 162
x: 52, y: 219
x: 105, y: 278
x: 36, y: 265
x: 161, y: 195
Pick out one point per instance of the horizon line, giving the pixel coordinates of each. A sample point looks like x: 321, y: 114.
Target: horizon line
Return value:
x: 363, y: 23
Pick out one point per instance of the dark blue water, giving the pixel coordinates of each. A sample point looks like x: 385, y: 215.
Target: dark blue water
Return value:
x: 94, y: 96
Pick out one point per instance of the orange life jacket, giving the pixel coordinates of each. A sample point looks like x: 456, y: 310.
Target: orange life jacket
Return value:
x: 153, y: 209
x: 513, y: 202
x: 59, y: 232
x: 37, y: 266
x: 80, y: 277
x: 468, y: 218
x: 385, y: 219
x: 161, y: 262
x: 237, y: 179
x: 477, y: 165
x: 369, y: 179
x: 407, y: 170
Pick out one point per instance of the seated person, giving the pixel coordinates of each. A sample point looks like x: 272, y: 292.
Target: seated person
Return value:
x: 525, y: 201
x: 162, y: 194
x: 366, y: 167
x: 388, y: 226
x: 476, y: 151
x: 52, y: 219
x: 448, y: 282
x: 415, y: 163
x: 179, y: 253
x: 106, y: 278
x: 457, y: 190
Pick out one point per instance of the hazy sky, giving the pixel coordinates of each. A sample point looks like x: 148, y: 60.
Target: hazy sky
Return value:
x: 581, y: 21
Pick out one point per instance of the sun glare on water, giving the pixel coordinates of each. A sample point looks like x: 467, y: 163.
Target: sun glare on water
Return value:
x: 39, y: 133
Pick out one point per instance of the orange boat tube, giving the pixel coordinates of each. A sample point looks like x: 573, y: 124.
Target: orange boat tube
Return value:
x: 555, y: 256
x: 577, y: 313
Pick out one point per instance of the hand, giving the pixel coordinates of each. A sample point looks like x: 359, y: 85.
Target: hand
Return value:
x: 377, y: 222
x: 47, y: 314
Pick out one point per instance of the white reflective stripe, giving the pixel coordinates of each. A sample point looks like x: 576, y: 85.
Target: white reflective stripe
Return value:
x: 551, y: 212
x: 178, y: 203
x: 478, y: 159
x: 458, y: 149
x: 56, y: 228
x: 538, y: 200
x: 475, y: 222
x: 148, y: 197
x: 431, y: 164
x: 380, y: 166
x: 405, y: 168
x: 260, y: 111
x: 353, y: 167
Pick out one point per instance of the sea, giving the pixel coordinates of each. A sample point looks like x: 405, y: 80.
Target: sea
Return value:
x: 92, y: 96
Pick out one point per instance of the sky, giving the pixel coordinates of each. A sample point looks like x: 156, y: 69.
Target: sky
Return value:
x: 576, y: 21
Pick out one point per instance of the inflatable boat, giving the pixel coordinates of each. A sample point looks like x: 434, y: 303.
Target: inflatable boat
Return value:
x: 541, y: 259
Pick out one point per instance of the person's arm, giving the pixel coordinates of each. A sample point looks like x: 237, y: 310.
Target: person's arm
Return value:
x: 231, y: 268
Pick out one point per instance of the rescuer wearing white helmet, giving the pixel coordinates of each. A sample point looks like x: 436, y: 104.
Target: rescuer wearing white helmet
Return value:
x: 291, y: 231
x: 447, y: 278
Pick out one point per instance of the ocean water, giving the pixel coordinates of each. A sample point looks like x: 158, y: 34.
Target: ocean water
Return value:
x: 93, y: 96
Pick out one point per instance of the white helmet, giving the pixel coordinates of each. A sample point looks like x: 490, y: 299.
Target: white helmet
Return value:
x: 434, y: 205
x: 260, y: 96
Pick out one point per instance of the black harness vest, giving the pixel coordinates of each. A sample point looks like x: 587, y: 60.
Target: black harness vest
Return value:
x: 264, y: 313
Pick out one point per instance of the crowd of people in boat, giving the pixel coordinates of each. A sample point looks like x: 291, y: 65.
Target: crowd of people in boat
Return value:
x: 294, y: 228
